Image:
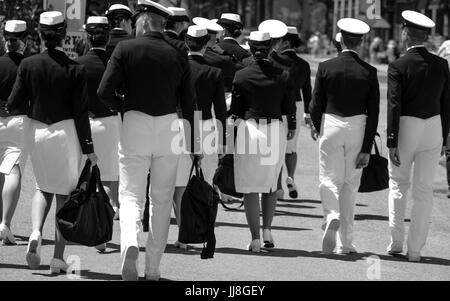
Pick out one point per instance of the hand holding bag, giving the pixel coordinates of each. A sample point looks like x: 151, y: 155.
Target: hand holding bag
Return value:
x: 375, y: 176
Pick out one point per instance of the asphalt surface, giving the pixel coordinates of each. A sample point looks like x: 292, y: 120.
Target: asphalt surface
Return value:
x: 296, y: 230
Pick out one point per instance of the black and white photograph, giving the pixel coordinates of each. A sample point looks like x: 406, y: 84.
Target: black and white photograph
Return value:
x: 222, y: 148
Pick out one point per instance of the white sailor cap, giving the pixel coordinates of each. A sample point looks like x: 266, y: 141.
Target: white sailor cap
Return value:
x: 179, y: 14
x: 259, y: 36
x: 417, y: 20
x: 15, y: 26
x: 152, y: 7
x: 275, y: 28
x: 197, y: 31
x: 229, y: 19
x: 292, y: 30
x: 353, y: 27
x: 96, y: 22
x: 51, y: 18
x: 210, y: 25
x: 116, y: 9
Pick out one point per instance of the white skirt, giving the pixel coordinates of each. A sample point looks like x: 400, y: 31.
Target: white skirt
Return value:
x: 55, y: 156
x: 106, y: 135
x: 258, y: 158
x: 13, y: 146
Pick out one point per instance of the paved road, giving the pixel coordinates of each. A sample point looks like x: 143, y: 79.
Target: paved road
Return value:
x: 296, y: 231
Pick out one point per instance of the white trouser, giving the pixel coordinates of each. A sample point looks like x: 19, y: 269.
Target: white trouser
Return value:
x: 145, y: 142
x: 419, y: 143
x: 340, y: 143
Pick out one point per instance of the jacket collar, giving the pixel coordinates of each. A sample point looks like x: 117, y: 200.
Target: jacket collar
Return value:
x: 154, y: 34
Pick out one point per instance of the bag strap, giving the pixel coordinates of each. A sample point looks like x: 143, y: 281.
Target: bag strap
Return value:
x: 96, y: 181
x: 230, y: 208
x: 377, y: 151
x: 85, y: 174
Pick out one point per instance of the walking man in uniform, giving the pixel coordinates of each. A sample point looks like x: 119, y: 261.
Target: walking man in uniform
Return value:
x: 176, y: 26
x: 156, y: 78
x: 418, y: 115
x: 119, y: 17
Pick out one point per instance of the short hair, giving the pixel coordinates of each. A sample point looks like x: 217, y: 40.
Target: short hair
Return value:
x: 12, y: 45
x: 232, y: 31
x: 351, y: 42
x: 116, y: 19
x: 416, y: 35
x: 196, y: 44
x: 155, y: 21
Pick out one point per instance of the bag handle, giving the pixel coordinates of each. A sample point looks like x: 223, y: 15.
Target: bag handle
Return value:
x: 85, y: 174
x: 377, y: 151
x: 198, y: 169
x: 95, y: 181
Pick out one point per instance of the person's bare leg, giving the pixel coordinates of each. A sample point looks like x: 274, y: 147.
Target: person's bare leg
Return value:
x: 269, y: 205
x: 60, y: 242
x: 112, y: 190
x: 291, y: 164
x: 41, y: 204
x: 252, y: 209
x: 10, y: 194
x: 177, y: 197
x: 2, y: 181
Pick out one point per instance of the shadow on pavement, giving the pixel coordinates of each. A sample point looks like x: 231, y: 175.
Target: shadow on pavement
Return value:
x: 296, y: 206
x: 223, y: 224
x: 403, y: 258
x: 22, y: 267
x: 373, y: 217
x: 45, y: 242
x: 287, y: 213
x: 309, y: 201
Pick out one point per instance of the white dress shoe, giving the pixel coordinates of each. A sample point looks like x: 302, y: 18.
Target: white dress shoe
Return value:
x: 254, y: 246
x: 33, y: 256
x: 101, y: 248
x: 180, y: 245
x: 7, y: 236
x: 152, y: 277
x: 329, y: 236
x: 293, y: 192
x: 129, y: 264
x: 58, y: 266
x: 395, y: 248
x: 414, y: 257
x: 268, y: 240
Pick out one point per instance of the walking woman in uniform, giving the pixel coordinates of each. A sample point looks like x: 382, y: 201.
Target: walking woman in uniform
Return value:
x: 54, y: 91
x: 12, y: 129
x: 261, y: 97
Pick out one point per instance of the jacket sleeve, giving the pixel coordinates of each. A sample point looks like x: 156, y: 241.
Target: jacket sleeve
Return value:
x: 319, y: 100
x: 80, y: 107
x: 445, y: 106
x: 220, y: 106
x: 288, y: 105
x: 187, y: 105
x: 394, y: 105
x: 18, y: 101
x: 372, y: 111
x: 307, y: 89
x: 237, y: 101
x: 111, y: 80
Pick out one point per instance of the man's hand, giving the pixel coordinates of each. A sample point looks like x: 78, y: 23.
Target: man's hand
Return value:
x: 314, y: 133
x: 308, y: 121
x: 394, y: 156
x: 290, y: 134
x: 93, y: 158
x: 362, y: 160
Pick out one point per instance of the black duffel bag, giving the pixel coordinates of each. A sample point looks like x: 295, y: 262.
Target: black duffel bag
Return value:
x: 87, y: 216
x: 224, y: 177
x: 375, y: 176
x: 198, y: 213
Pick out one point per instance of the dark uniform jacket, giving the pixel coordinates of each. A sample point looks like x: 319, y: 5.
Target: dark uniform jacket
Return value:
x: 51, y: 88
x: 233, y: 48
x: 209, y: 87
x: 224, y: 63
x: 347, y: 86
x: 8, y: 71
x: 301, y: 75
x: 155, y: 75
x: 418, y: 86
x: 95, y: 62
x: 117, y: 35
x: 175, y: 40
x: 261, y: 91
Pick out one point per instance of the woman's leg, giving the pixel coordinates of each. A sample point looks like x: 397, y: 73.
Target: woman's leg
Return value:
x: 269, y: 204
x: 112, y: 190
x: 60, y: 242
x: 252, y: 208
x: 10, y: 194
x: 42, y: 201
x: 177, y: 197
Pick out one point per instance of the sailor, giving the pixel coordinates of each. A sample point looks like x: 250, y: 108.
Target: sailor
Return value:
x: 52, y: 90
x: 233, y: 27
x: 260, y: 98
x: 148, y: 65
x: 210, y: 96
x: 418, y: 124
x: 176, y: 26
x: 13, y: 154
x: 105, y: 123
x: 121, y: 25
x: 344, y: 110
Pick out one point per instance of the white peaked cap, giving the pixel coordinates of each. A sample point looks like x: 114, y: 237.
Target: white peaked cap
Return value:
x: 338, y: 37
x: 353, y: 26
x: 197, y: 31
x: 51, y: 18
x: 117, y: 7
x: 275, y: 28
x: 209, y: 24
x: 97, y: 20
x: 231, y: 17
x: 292, y: 30
x: 259, y: 36
x: 178, y: 11
x: 15, y: 26
x: 417, y: 19
x: 156, y: 7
